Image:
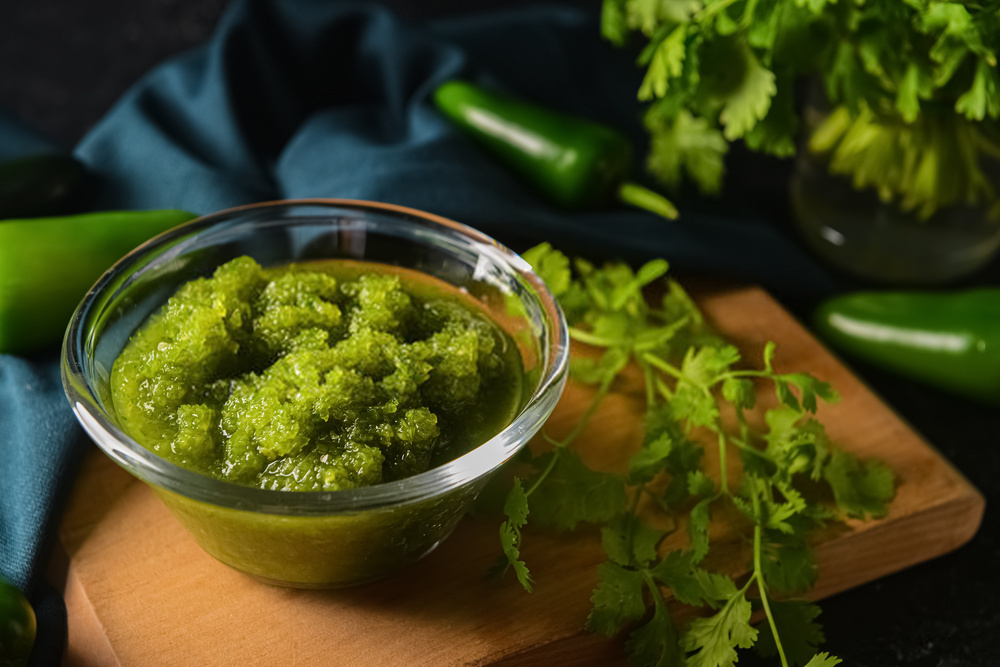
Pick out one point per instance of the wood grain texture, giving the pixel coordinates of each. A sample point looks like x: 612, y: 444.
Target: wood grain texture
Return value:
x: 143, y: 587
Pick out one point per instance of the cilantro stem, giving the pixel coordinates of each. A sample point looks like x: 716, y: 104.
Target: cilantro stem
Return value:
x: 654, y: 589
x: 711, y: 9
x: 647, y: 374
x: 758, y: 575
x: 667, y: 368
x: 640, y: 197
x: 602, y: 391
x: 723, y: 472
x: 545, y: 473
x: 664, y: 390
x: 750, y: 449
x: 589, y: 338
x: 632, y: 510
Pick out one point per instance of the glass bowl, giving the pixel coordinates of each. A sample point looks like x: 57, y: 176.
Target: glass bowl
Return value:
x: 317, y: 539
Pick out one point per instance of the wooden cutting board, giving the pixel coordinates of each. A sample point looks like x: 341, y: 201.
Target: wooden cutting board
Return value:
x: 141, y: 592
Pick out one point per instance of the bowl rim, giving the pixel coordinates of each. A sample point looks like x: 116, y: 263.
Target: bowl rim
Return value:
x: 476, y: 464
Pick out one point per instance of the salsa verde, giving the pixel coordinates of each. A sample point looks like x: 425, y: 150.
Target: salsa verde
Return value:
x: 316, y: 377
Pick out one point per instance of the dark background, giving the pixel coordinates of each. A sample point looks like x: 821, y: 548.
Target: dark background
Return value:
x: 64, y: 63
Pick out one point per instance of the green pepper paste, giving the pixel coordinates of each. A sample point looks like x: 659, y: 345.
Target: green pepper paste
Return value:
x: 316, y: 377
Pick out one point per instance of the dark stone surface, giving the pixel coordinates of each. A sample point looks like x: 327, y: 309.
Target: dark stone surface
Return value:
x: 65, y: 62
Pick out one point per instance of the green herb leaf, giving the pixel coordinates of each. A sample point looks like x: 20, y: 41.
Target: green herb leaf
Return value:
x: 983, y: 98
x: 797, y: 627
x: 788, y: 563
x: 617, y: 599
x: 823, y: 660
x: 654, y: 644
x: 698, y: 524
x: 516, y: 510
x: 574, y: 494
x: 686, y: 144
x: 677, y: 572
x: 860, y: 488
x: 713, y: 641
x: 750, y: 100
x: 651, y: 459
x: 739, y: 392
x: 630, y: 542
x: 516, y: 505
x: 614, y: 22
x: 667, y: 62
x: 551, y: 266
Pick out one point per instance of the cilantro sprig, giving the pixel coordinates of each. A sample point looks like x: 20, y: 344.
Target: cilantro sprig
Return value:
x: 914, y: 86
x: 690, y: 375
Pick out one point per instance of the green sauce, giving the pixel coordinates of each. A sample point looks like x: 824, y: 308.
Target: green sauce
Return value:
x: 316, y: 377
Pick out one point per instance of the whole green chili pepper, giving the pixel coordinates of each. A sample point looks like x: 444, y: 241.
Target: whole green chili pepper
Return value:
x: 948, y: 340
x: 17, y: 626
x: 48, y: 264
x: 572, y: 162
x: 41, y: 185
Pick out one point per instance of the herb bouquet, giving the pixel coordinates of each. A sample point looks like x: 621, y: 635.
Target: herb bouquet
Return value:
x: 912, y: 86
x: 774, y: 500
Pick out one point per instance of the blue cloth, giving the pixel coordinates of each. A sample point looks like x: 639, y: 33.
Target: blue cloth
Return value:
x: 19, y: 140
x: 330, y: 99
x: 313, y: 98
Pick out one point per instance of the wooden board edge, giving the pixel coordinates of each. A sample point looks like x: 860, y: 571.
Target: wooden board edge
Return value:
x: 930, y: 534
x: 87, y: 643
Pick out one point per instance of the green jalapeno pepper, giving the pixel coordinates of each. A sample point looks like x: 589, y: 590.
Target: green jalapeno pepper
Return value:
x: 48, y: 264
x: 17, y: 626
x: 572, y: 162
x: 41, y: 185
x: 948, y: 340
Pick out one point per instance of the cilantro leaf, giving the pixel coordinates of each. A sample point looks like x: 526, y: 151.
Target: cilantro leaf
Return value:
x: 617, y: 599
x: 630, y: 542
x: 860, y: 488
x: 698, y: 523
x: 677, y: 572
x: 983, y: 98
x: 667, y: 62
x: 701, y: 369
x: 749, y: 101
x: 683, y: 460
x: 516, y: 510
x: 712, y: 641
x: 700, y: 484
x: 775, y: 134
x: 906, y: 97
x: 823, y: 660
x: 739, y: 392
x: 686, y: 144
x: 511, y: 558
x: 551, y: 266
x: 800, y: 633
x: 614, y: 22
x: 705, y: 364
x: 797, y: 445
x: 516, y: 505
x: 666, y: 448
x: 654, y: 644
x: 603, y: 370
x: 651, y: 459
x: 573, y: 494
x: 809, y: 389
x: 789, y: 565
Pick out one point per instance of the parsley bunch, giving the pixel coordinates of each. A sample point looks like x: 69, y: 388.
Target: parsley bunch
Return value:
x: 913, y: 84
x: 692, y: 379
